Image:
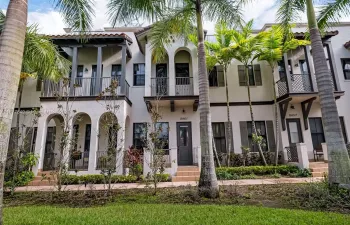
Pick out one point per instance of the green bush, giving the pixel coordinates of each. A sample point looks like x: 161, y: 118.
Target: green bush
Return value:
x: 99, y: 179
x: 232, y: 173
x: 22, y: 179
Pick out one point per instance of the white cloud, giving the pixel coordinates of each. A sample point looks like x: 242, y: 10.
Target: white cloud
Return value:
x: 51, y: 22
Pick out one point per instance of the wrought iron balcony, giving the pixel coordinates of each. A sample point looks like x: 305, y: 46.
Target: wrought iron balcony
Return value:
x: 184, y: 86
x: 84, y: 86
x: 300, y: 83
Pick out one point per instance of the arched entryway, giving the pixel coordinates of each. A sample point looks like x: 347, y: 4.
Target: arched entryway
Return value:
x: 183, y: 72
x: 52, y: 151
x: 80, y: 143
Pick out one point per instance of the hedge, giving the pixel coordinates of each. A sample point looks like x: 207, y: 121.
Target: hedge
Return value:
x: 99, y: 179
x: 227, y: 173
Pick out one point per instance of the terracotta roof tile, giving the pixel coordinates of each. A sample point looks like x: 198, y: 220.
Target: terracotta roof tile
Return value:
x: 92, y: 35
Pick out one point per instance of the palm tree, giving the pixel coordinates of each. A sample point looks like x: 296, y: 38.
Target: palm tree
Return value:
x: 272, y: 50
x: 339, y: 162
x: 77, y: 14
x: 215, y: 53
x: 332, y: 11
x: 179, y: 18
x: 245, y: 48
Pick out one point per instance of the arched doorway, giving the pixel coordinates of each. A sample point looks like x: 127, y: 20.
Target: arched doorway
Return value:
x: 183, y: 73
x: 80, y: 143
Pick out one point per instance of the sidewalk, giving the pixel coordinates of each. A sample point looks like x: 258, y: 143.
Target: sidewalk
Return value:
x: 172, y: 184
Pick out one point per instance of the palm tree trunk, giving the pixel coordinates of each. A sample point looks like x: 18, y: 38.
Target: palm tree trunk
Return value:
x: 276, y: 114
x: 11, y: 53
x: 208, y: 184
x: 17, y: 150
x: 339, y: 163
x: 229, y: 127
x: 252, y: 115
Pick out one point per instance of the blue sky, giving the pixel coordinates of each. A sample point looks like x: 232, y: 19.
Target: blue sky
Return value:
x: 42, y: 13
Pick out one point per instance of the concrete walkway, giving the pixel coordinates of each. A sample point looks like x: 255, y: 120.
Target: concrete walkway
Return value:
x: 172, y: 184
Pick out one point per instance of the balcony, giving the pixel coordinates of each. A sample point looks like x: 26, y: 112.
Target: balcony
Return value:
x: 300, y: 83
x: 162, y: 93
x: 83, y: 87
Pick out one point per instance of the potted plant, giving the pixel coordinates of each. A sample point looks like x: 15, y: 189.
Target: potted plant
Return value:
x: 76, y: 155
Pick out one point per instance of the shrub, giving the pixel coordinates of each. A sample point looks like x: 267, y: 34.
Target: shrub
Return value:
x: 99, y: 179
x: 22, y: 179
x: 227, y: 173
x: 252, y: 159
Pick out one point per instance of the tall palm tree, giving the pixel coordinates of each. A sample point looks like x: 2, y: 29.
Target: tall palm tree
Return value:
x: 215, y: 53
x: 272, y: 50
x: 339, y: 162
x: 179, y: 18
x: 332, y: 11
x: 77, y: 14
x: 245, y: 48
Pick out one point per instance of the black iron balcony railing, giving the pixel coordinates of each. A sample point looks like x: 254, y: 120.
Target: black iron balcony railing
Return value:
x: 300, y: 83
x: 79, y: 161
x: 84, y: 86
x: 160, y: 86
x: 184, y: 86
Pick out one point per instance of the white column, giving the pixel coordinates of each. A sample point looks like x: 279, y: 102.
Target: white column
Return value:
x: 173, y: 160
x: 93, y: 144
x: 303, y: 156
x: 74, y: 69
x: 194, y: 61
x: 285, y: 155
x: 120, y: 148
x: 148, y: 70
x: 325, y: 152
x: 146, y: 162
x: 171, y: 73
x: 40, y: 143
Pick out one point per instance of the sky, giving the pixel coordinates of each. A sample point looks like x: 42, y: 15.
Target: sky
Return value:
x: 42, y: 12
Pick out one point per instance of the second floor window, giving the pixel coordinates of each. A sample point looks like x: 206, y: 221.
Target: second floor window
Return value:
x: 79, y: 77
x: 216, y: 77
x: 182, y: 73
x: 116, y: 71
x: 346, y: 68
x: 254, y: 75
x: 139, y: 74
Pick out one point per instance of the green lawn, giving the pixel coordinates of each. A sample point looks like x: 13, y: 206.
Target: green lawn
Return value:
x: 167, y: 214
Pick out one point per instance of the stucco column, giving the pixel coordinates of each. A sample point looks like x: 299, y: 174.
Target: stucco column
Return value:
x: 148, y: 70
x: 40, y: 143
x: 303, y: 157
x: 123, y: 76
x: 146, y: 162
x: 171, y: 73
x: 173, y: 160
x: 325, y: 152
x: 74, y: 70
x: 93, y: 144
x: 99, y: 70
x: 120, y: 149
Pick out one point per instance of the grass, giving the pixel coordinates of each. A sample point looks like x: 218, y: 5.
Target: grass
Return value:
x: 167, y: 214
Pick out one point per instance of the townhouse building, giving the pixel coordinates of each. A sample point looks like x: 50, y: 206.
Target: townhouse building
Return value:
x: 125, y: 54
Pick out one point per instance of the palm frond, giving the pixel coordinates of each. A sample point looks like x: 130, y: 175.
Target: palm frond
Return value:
x: 228, y: 11
x: 332, y: 12
x: 2, y: 20
x: 77, y: 14
x: 290, y: 11
x: 127, y: 10
x: 41, y: 57
x: 176, y: 23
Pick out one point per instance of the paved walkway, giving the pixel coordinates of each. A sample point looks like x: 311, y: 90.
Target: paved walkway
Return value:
x: 172, y: 184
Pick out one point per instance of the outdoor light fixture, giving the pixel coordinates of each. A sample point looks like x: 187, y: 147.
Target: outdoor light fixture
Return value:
x: 292, y: 106
x: 183, y: 110
x: 86, y: 70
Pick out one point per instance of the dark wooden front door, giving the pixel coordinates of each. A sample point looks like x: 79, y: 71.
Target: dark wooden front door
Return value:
x: 184, y: 143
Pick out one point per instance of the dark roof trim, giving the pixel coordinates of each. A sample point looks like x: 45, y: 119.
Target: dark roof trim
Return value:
x: 87, y: 98
x: 326, y: 35
x: 164, y: 98
x: 216, y: 104
x: 91, y: 36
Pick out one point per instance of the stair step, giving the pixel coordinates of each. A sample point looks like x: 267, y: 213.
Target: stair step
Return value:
x: 188, y: 169
x: 41, y: 183
x: 188, y: 173
x: 318, y: 165
x: 185, y: 178
x: 318, y: 174
x: 319, y: 169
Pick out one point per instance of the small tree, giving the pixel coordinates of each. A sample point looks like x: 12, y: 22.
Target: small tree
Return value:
x: 109, y: 123
x: 277, y: 42
x: 155, y: 146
